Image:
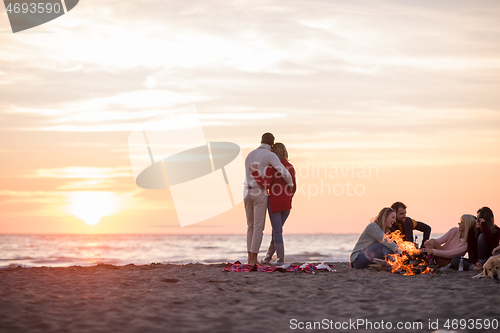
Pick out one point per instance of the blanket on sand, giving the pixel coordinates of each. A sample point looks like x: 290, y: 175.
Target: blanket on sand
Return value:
x: 239, y: 267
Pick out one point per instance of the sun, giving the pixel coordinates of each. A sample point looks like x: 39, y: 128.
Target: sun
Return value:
x: 92, y: 206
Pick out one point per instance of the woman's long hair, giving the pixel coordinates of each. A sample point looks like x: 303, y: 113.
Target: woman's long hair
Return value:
x: 280, y: 150
x: 469, y: 222
x: 382, y: 217
x: 487, y: 214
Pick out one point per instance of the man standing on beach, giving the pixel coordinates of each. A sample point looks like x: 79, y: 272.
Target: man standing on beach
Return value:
x: 255, y: 197
x: 406, y: 224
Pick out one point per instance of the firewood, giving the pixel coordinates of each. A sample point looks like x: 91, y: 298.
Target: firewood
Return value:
x: 380, y: 262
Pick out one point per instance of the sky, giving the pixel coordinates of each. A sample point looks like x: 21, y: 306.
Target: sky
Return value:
x: 376, y: 102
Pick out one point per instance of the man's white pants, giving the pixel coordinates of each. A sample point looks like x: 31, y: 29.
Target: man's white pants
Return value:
x: 255, y: 208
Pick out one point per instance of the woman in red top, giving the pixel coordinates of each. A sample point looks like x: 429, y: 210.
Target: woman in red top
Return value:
x: 279, y: 203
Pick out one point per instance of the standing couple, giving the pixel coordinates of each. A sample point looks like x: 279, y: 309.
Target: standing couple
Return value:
x: 270, y: 184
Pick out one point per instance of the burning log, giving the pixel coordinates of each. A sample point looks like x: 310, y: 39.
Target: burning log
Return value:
x: 411, y: 261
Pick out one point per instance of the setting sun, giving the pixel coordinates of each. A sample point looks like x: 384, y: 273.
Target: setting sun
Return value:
x: 91, y: 206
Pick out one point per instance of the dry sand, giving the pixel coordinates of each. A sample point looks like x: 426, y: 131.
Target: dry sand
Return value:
x: 202, y: 298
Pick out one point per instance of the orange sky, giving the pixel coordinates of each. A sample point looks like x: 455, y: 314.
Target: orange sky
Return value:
x: 409, y: 90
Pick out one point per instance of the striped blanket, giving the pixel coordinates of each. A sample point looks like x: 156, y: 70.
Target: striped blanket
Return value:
x: 239, y: 267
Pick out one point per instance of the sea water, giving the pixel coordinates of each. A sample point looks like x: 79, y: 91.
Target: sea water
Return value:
x: 87, y: 250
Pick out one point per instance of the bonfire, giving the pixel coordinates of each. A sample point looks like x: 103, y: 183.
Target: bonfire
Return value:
x: 411, y: 261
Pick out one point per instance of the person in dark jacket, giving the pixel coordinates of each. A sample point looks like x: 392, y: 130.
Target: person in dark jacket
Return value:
x: 481, y: 243
x: 406, y: 225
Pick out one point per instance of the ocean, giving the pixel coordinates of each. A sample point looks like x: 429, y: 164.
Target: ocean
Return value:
x: 88, y: 250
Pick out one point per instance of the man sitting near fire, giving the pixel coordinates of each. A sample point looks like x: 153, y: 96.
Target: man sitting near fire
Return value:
x: 406, y: 224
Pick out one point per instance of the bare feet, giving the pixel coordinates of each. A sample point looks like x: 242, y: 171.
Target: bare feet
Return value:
x: 252, y: 258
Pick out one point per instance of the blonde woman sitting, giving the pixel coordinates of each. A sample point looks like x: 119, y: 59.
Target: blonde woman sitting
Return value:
x: 453, y: 243
x: 373, y: 242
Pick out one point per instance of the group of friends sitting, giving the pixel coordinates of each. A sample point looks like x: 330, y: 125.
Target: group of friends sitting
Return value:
x: 476, y: 235
x: 270, y: 185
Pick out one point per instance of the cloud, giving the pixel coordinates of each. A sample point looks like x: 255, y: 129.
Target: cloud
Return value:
x: 59, y: 200
x: 88, y: 185
x: 377, y: 74
x: 82, y: 173
x: 116, y: 113
x: 400, y: 85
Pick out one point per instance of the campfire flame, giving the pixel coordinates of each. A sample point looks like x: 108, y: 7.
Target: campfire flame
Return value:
x: 410, y: 261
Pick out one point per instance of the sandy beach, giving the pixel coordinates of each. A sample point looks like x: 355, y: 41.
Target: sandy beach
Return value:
x: 203, y: 298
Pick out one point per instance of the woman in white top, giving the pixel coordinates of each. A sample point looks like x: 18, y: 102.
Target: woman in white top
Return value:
x: 453, y: 243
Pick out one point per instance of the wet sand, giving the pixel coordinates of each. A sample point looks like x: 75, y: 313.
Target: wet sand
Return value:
x: 203, y: 298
